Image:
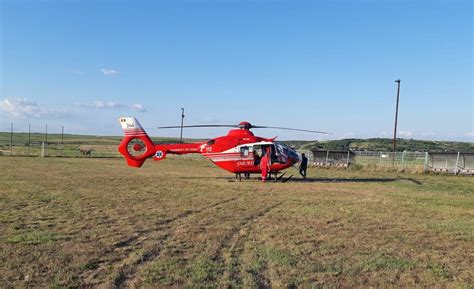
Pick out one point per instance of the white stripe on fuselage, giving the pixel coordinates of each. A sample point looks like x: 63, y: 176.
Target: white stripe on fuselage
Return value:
x: 233, y: 154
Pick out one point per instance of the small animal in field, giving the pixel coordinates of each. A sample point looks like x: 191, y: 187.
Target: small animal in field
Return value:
x: 86, y: 151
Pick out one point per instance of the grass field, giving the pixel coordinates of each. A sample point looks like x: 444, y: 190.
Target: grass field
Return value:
x: 89, y: 222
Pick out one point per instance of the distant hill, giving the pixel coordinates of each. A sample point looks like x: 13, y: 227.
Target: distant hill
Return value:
x: 385, y: 144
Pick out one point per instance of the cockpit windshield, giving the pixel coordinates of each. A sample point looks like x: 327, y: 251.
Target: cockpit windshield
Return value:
x: 284, y: 152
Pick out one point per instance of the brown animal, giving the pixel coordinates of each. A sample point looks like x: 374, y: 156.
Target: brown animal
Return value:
x: 86, y: 151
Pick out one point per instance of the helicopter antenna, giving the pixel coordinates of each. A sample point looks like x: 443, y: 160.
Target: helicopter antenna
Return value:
x: 182, y: 120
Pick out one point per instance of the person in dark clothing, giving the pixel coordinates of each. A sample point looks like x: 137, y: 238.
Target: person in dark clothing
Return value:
x: 256, y: 158
x: 303, y: 165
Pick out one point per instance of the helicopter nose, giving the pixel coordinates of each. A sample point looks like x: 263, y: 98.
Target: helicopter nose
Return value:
x: 294, y: 159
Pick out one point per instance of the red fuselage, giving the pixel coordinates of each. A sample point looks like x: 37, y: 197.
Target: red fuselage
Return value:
x: 236, y: 152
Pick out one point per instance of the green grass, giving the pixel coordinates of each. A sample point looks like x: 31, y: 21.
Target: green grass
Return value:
x: 382, y: 261
x: 70, y: 222
x: 167, y: 272
x: 35, y: 237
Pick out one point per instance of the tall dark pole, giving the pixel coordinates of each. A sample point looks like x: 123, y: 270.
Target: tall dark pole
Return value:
x: 396, y: 121
x: 182, y: 121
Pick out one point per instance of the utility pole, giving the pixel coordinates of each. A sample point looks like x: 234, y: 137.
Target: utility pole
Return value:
x: 396, y: 121
x: 182, y: 121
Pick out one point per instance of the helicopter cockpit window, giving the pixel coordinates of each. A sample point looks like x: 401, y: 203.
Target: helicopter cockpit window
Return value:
x: 244, y: 151
x: 276, y: 154
x: 284, y: 152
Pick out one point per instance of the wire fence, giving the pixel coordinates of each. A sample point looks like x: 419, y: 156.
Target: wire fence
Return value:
x: 67, y: 145
x: 399, y: 160
x: 455, y: 162
x: 51, y: 149
x: 452, y: 162
x: 52, y: 141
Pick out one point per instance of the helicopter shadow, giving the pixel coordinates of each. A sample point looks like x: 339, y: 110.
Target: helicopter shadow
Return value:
x: 356, y: 180
x: 314, y: 180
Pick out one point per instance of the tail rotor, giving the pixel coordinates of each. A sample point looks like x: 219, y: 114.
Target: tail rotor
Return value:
x: 136, y: 146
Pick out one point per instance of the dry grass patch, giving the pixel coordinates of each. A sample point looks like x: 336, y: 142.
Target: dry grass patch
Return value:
x: 182, y: 223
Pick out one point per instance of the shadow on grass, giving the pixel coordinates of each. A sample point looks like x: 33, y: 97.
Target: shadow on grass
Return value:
x: 333, y: 180
x: 298, y: 179
x: 356, y: 180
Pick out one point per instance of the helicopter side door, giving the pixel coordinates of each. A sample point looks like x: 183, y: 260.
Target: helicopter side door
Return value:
x: 246, y: 158
x: 261, y: 150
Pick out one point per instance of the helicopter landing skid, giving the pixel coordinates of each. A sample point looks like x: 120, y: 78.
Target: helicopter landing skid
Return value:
x: 238, y: 176
x: 280, y: 178
x: 283, y: 180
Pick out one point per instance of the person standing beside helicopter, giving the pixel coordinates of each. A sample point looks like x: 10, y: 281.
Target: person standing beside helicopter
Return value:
x: 303, y: 165
x: 265, y: 164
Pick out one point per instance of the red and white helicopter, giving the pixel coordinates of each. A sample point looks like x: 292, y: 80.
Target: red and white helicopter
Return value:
x: 238, y: 152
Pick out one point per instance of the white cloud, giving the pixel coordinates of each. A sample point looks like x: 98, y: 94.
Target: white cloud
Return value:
x: 383, y: 134
x: 100, y: 104
x: 23, y: 108
x: 405, y: 133
x: 349, y: 135
x: 469, y: 134
x: 138, y: 107
x: 109, y: 71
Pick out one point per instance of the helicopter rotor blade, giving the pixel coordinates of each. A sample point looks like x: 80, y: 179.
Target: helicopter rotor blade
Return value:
x: 293, y: 129
x: 246, y: 125
x: 198, y: 125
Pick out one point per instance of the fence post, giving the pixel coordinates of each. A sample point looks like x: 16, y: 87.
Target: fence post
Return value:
x: 45, y: 140
x: 29, y: 139
x: 380, y: 158
x: 348, y: 154
x: 42, y: 149
x: 403, y: 160
x: 426, y: 162
x: 457, y: 162
x: 62, y: 141
x: 11, y: 140
x: 327, y: 158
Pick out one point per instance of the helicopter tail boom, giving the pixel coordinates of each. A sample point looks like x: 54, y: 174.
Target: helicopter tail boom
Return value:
x: 136, y: 146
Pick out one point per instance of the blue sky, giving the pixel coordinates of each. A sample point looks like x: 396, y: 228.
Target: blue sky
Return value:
x: 322, y: 65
